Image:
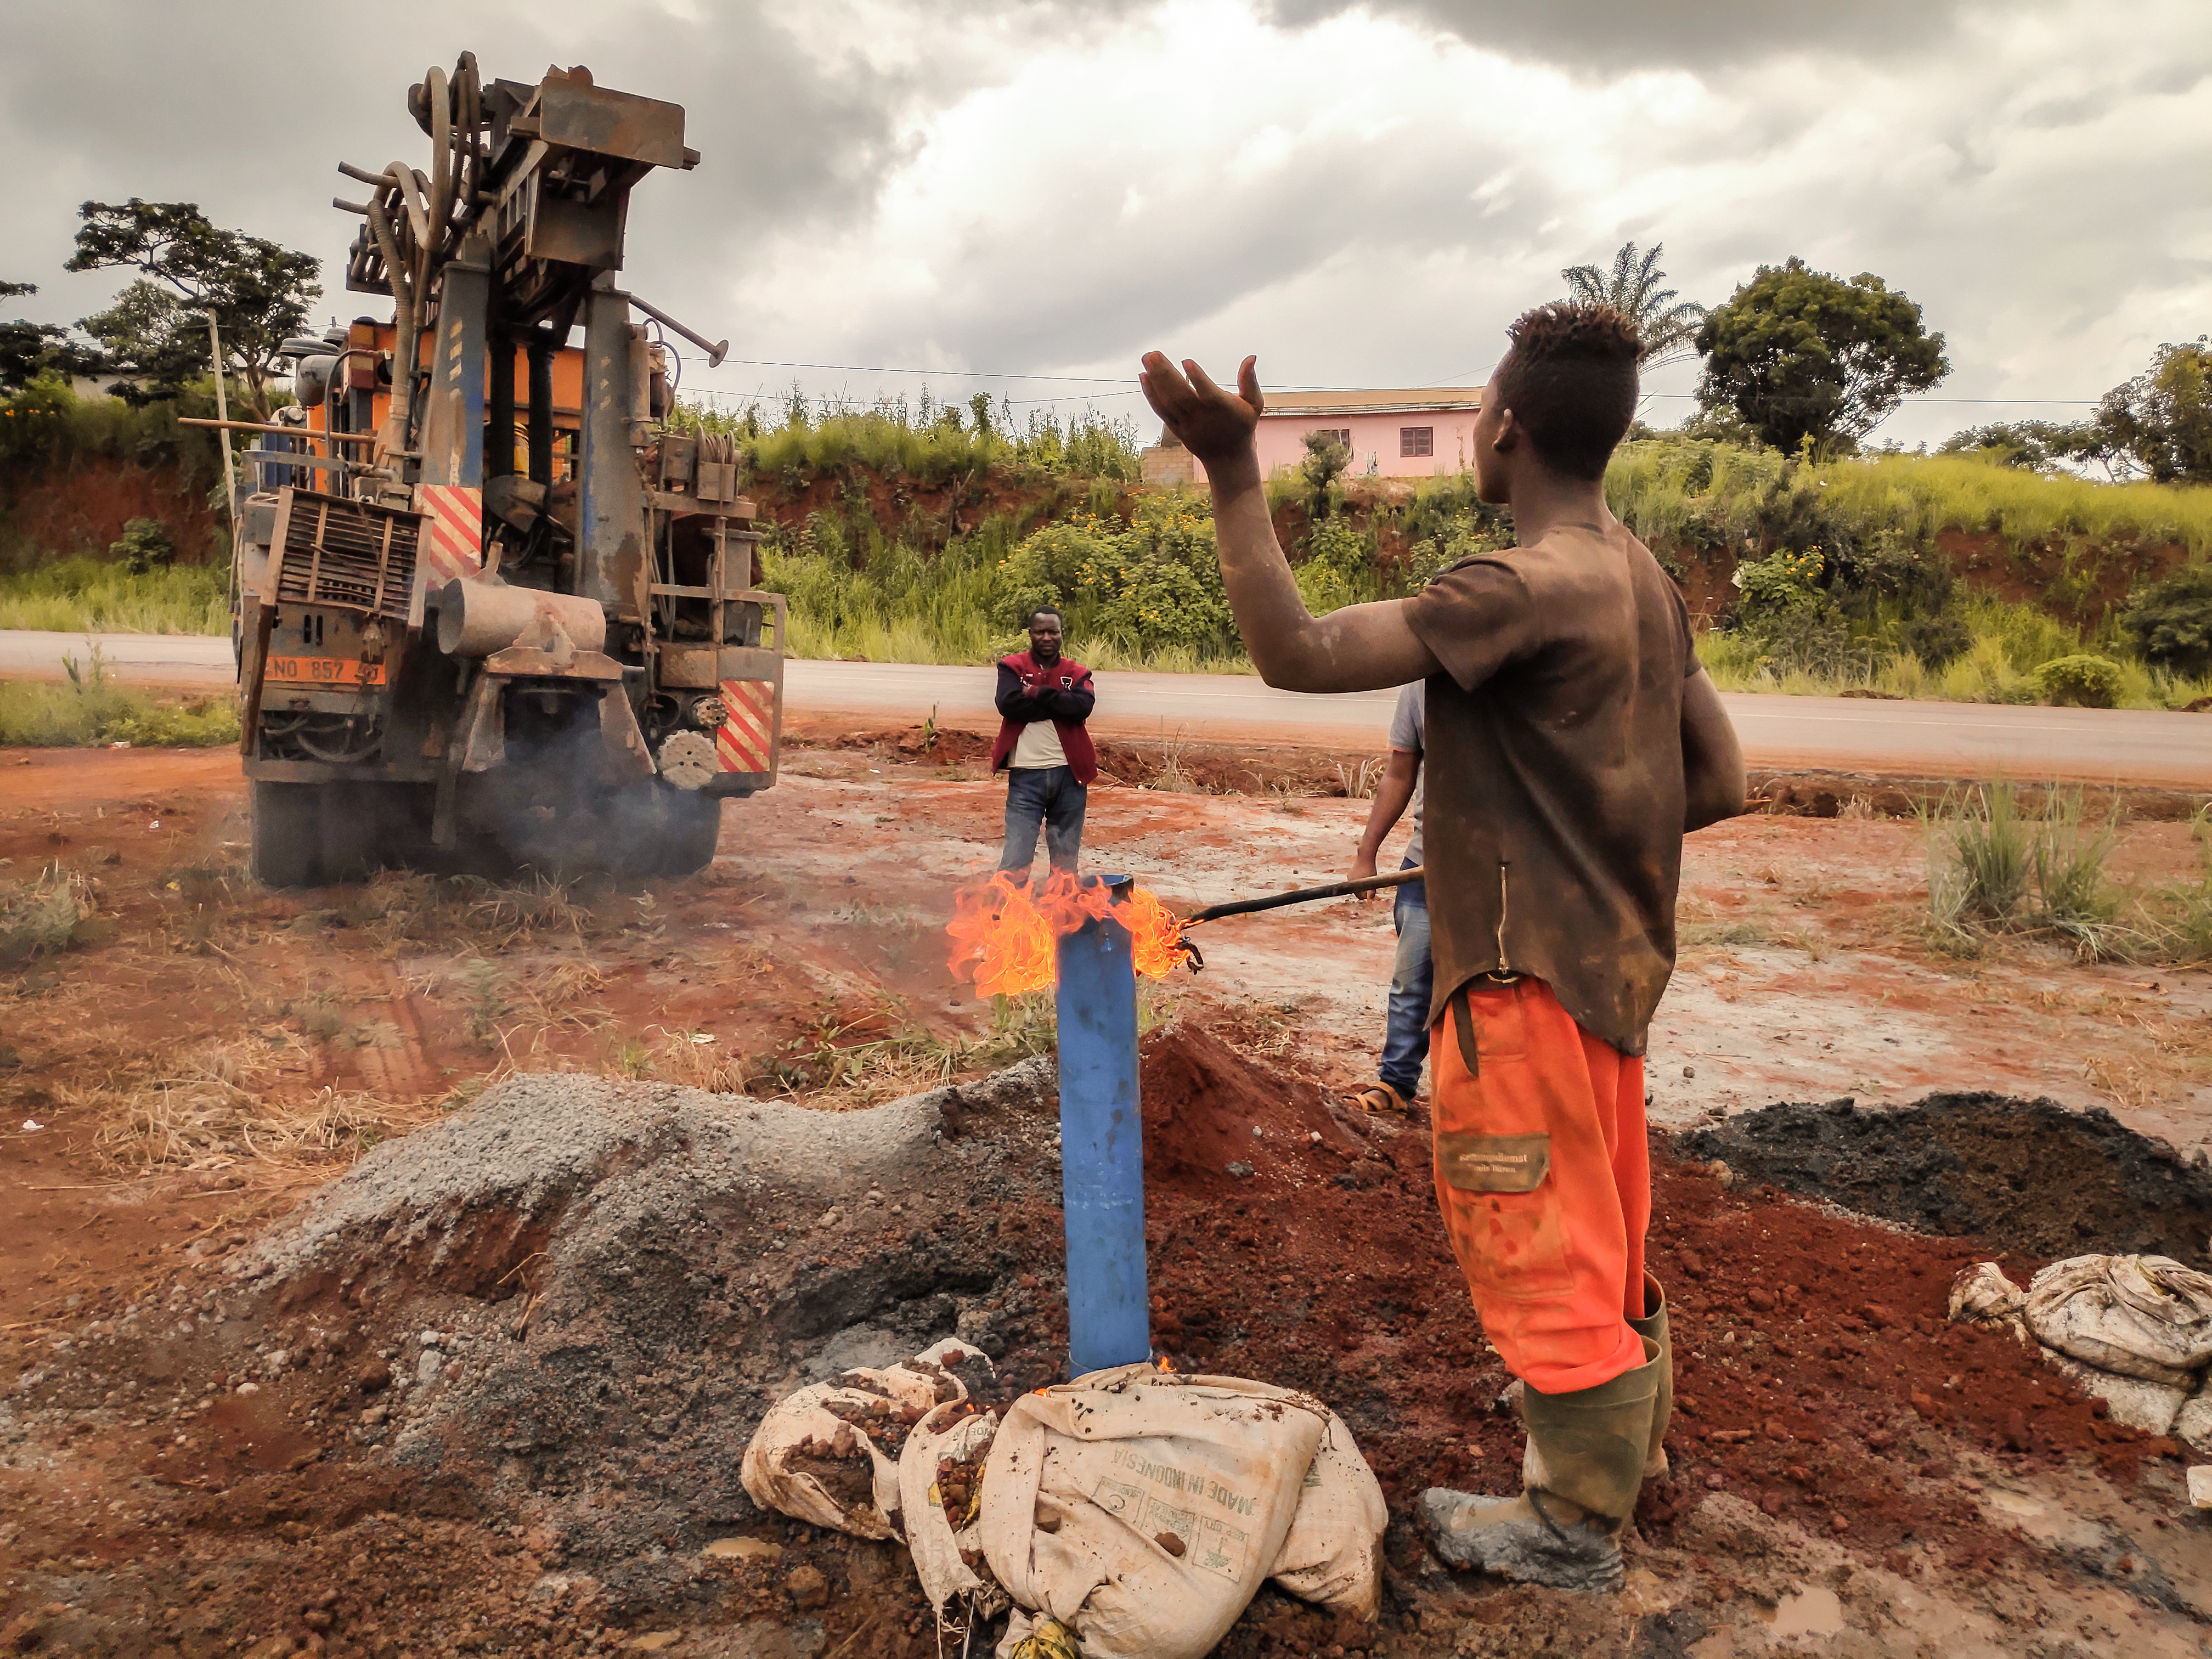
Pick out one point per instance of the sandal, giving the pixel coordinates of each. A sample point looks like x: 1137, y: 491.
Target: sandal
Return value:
x: 1380, y: 1100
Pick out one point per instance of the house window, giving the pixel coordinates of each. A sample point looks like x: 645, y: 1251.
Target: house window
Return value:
x: 1416, y: 441
x: 1342, y: 434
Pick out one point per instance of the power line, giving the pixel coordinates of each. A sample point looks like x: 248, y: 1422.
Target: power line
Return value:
x: 1128, y: 390
x: 949, y: 374
x: 2081, y: 403
x: 764, y: 396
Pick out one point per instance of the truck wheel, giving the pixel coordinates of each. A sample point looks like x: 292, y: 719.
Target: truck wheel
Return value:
x: 354, y: 838
x: 287, y: 835
x: 693, y: 824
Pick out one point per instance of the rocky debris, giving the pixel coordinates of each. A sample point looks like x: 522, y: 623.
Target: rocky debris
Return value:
x: 2020, y: 1175
x: 603, y: 1287
x: 808, y: 1588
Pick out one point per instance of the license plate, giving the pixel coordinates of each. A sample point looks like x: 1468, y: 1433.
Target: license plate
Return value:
x: 342, y: 672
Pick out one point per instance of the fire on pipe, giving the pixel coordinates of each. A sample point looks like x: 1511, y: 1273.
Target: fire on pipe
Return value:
x: 1092, y: 937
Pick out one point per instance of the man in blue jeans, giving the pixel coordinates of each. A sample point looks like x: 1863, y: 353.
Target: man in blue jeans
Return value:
x: 1405, y: 1039
x: 1043, y: 700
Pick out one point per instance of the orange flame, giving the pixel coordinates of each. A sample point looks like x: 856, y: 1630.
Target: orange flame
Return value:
x: 1003, y: 936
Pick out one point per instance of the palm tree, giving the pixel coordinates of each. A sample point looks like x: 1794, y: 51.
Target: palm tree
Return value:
x: 1632, y: 287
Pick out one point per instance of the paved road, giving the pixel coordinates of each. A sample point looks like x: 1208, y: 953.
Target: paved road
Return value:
x: 1842, y: 734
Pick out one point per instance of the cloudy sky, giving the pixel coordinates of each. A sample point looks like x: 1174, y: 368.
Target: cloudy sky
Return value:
x: 1363, y: 194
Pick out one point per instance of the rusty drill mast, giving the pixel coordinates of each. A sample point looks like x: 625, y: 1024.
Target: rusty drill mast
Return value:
x: 488, y: 596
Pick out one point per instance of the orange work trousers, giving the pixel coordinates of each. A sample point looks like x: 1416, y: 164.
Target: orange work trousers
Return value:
x: 1544, y: 1178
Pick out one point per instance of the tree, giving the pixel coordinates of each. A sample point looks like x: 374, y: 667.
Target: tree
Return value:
x: 1326, y: 457
x: 1801, y: 354
x: 29, y: 350
x: 1667, y: 323
x: 2162, y: 419
x: 2030, y: 445
x: 2170, y: 621
x: 157, y: 330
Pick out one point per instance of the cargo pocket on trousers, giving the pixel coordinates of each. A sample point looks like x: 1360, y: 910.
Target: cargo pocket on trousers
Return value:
x: 1505, y: 1213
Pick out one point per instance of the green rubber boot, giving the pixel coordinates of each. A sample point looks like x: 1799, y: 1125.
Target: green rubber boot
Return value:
x: 1652, y: 1328
x: 1583, y: 1468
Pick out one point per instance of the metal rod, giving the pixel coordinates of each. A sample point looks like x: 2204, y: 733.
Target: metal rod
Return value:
x: 715, y: 349
x: 1303, y: 895
x: 229, y: 476
x: 280, y: 431
x: 1102, y: 1150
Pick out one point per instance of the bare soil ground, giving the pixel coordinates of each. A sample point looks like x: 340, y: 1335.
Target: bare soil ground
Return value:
x: 1851, y: 1475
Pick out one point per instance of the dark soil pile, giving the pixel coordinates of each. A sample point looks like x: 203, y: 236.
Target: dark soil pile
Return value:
x: 2027, y: 1175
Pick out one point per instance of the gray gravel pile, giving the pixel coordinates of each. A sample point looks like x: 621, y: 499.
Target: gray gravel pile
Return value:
x: 588, y: 1293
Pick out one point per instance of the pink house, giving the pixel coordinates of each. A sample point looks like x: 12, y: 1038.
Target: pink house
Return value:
x: 1408, y: 433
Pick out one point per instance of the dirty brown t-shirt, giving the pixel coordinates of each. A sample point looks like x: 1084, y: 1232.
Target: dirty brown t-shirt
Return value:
x: 1554, y: 763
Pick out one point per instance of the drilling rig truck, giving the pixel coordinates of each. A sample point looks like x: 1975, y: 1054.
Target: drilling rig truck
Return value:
x: 493, y: 607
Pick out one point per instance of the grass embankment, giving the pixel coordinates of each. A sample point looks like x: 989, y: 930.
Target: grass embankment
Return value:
x: 1875, y: 603
x: 91, y: 596
x: 2005, y: 643
x: 1673, y: 491
x: 870, y: 549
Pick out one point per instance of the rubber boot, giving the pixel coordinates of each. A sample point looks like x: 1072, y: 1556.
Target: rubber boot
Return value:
x: 1652, y: 1328
x: 1580, y: 1477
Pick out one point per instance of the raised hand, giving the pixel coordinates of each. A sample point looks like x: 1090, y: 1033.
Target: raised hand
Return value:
x: 1214, y: 424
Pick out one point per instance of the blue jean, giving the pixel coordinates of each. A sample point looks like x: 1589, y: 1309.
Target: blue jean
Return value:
x: 1405, y: 1038
x: 1046, y: 797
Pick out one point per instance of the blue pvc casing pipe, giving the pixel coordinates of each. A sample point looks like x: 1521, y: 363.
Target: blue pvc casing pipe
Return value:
x: 1102, y: 1148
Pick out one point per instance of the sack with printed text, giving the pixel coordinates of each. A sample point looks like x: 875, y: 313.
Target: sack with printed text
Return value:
x: 1144, y: 1510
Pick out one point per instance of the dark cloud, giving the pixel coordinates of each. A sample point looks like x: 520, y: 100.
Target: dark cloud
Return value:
x: 218, y: 104
x: 1609, y: 37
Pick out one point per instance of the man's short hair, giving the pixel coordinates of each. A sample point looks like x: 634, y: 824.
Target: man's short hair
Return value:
x: 1569, y: 380
x: 1051, y: 611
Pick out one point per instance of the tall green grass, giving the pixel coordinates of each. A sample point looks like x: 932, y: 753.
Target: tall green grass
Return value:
x: 1677, y: 490
x: 91, y: 596
x: 2001, y: 865
x: 930, y: 443
x: 35, y: 716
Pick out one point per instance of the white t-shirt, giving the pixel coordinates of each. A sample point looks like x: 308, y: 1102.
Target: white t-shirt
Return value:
x: 1408, y: 726
x: 1038, y: 747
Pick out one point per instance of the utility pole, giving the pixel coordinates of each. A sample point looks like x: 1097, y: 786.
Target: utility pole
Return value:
x: 222, y: 437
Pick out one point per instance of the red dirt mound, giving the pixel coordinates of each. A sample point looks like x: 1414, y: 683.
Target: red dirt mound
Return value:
x: 1817, y: 1376
x: 1205, y: 1109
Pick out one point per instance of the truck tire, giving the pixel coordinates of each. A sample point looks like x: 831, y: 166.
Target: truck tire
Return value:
x: 287, y: 834
x: 693, y: 825
x: 355, y: 818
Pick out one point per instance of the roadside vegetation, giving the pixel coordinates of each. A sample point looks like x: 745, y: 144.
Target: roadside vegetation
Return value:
x: 92, y: 709
x: 924, y: 533
x: 84, y: 595
x: 2009, y: 864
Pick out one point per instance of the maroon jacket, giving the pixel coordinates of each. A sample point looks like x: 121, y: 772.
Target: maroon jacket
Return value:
x: 1063, y: 695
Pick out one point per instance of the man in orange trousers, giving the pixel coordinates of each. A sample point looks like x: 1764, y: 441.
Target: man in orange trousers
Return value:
x: 1573, y: 739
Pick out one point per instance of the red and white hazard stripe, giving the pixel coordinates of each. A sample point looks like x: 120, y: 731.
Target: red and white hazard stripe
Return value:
x: 746, y: 741
x: 454, y: 544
